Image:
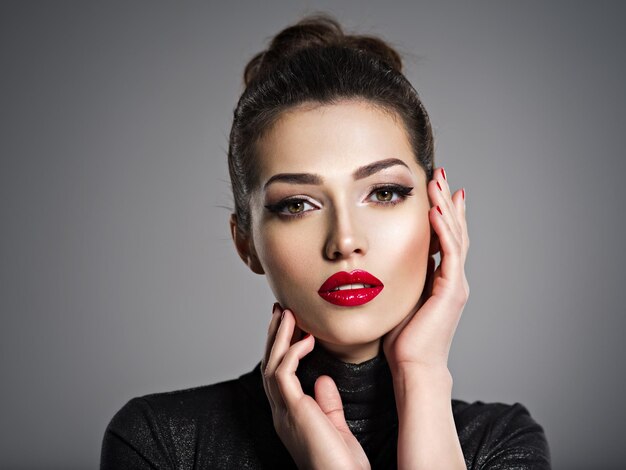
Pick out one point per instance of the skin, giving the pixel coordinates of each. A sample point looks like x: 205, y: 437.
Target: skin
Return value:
x: 344, y: 218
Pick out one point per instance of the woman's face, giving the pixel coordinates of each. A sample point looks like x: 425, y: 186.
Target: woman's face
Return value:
x: 340, y: 191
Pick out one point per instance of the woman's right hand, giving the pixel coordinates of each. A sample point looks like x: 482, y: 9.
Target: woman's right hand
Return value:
x: 314, y: 431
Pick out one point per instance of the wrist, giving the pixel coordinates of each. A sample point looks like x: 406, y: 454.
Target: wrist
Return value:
x: 422, y: 381
x: 414, y: 371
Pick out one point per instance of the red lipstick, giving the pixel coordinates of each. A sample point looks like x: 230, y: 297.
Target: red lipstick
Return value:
x: 350, y: 289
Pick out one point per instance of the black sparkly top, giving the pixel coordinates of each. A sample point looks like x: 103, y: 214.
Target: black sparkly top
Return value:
x: 228, y: 425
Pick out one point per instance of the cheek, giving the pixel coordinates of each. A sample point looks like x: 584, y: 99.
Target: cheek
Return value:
x: 285, y: 255
x: 416, y: 250
x: 402, y: 246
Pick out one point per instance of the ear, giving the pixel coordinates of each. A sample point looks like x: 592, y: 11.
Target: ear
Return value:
x: 245, y: 247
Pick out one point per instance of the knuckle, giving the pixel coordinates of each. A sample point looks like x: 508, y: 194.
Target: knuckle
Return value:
x: 460, y: 300
x: 269, y: 374
x: 281, y: 374
x: 461, y: 295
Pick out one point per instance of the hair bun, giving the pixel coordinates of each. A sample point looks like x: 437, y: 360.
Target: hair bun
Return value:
x: 316, y: 31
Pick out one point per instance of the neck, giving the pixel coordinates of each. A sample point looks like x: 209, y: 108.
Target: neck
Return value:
x: 352, y: 354
x: 366, y: 388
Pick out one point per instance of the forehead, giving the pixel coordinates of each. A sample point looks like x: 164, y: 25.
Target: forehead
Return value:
x: 333, y: 140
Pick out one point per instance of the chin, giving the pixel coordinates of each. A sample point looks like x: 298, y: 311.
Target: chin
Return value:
x: 350, y: 328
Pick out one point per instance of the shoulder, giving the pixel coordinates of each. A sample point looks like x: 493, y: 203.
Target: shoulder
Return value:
x: 160, y: 407
x: 196, y: 403
x: 481, y: 413
x: 498, y: 435
x: 159, y: 428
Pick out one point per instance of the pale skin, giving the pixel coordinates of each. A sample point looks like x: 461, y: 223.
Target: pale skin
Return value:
x: 363, y: 203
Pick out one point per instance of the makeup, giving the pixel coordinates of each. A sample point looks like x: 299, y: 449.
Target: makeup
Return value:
x: 351, y: 289
x: 330, y: 210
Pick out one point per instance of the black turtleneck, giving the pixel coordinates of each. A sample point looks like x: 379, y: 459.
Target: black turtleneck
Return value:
x: 367, y: 396
x: 229, y: 424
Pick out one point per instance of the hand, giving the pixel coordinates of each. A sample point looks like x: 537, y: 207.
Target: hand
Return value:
x: 314, y: 431
x: 422, y: 341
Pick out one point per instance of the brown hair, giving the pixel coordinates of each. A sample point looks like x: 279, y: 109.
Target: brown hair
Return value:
x: 314, y: 61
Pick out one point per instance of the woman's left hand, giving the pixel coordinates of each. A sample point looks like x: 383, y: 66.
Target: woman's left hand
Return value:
x: 422, y: 341
x: 417, y: 349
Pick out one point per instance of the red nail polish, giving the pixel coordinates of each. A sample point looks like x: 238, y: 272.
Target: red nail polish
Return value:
x: 443, y: 172
x: 307, y: 335
x: 439, y: 186
x: 274, y: 307
x: 463, y: 190
x: 439, y: 209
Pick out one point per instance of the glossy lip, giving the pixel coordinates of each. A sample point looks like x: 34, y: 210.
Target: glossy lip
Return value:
x: 350, y: 297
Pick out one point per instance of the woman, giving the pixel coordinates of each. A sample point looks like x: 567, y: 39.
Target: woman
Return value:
x: 338, y: 204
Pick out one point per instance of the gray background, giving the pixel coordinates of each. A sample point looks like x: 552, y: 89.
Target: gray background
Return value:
x: 117, y: 273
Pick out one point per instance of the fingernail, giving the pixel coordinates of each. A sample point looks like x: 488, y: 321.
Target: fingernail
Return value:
x: 439, y: 186
x: 439, y: 209
x: 275, y: 307
x: 463, y: 191
x: 443, y: 172
x: 307, y: 335
x: 282, y: 315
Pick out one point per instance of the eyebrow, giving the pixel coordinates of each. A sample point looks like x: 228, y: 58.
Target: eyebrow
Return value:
x: 295, y: 178
x: 359, y: 173
x: 368, y: 170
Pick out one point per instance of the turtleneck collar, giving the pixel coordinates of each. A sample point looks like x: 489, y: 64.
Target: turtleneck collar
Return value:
x: 366, y: 389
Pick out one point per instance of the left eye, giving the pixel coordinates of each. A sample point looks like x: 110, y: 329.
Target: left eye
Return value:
x: 385, y: 195
x: 389, y: 195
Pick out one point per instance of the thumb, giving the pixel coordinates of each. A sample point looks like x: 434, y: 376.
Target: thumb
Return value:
x: 328, y: 398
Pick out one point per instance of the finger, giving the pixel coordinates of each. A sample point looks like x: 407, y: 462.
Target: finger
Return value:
x: 449, y: 216
x: 288, y: 383
x: 282, y: 341
x: 439, y: 192
x: 298, y: 334
x: 451, y: 257
x: 279, y: 348
x: 440, y: 182
x: 459, y: 204
x: 440, y: 177
x: 271, y: 333
x: 328, y: 398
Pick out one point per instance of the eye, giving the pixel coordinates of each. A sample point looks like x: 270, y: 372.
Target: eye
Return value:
x: 384, y: 195
x: 297, y: 206
x: 389, y: 194
x: 291, y: 207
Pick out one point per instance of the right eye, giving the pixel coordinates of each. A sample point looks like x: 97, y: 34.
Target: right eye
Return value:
x: 291, y: 207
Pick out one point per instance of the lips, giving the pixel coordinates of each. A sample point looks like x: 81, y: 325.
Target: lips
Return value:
x: 350, y: 289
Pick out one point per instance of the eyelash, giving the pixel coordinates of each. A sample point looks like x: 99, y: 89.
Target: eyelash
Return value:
x: 281, y: 206
x: 402, y: 192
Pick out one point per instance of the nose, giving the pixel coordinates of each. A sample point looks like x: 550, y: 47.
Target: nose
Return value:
x: 346, y: 237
